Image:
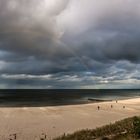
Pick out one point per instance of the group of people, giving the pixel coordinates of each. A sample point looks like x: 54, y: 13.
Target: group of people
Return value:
x: 98, y: 107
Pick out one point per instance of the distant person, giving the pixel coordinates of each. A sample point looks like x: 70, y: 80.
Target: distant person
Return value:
x: 98, y: 107
x: 111, y: 106
x: 43, y: 137
x: 14, y: 137
x: 123, y: 106
x: 116, y: 101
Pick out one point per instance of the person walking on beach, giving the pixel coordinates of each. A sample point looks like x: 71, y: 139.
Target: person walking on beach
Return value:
x: 98, y: 107
x: 14, y: 136
x: 111, y: 106
x: 43, y: 137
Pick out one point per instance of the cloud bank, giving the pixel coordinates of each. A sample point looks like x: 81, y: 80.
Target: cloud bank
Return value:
x: 69, y: 44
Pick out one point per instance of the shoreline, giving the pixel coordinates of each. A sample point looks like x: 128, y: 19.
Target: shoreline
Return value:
x: 88, y: 100
x: 31, y: 122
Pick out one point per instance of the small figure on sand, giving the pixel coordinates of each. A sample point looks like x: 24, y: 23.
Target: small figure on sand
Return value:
x: 13, y: 137
x: 43, y: 136
x: 111, y: 106
x: 116, y: 101
x: 123, y: 106
x: 98, y: 107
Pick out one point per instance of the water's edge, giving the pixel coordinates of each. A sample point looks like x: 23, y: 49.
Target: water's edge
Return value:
x: 56, y: 97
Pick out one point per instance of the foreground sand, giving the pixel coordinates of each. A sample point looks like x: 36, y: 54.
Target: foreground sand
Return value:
x: 30, y: 123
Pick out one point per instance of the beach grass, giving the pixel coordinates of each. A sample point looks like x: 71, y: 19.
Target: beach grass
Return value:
x: 127, y: 129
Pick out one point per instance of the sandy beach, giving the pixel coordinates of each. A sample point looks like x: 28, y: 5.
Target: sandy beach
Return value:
x: 29, y: 123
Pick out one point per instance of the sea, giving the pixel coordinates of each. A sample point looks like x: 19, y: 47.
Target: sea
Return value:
x: 58, y: 97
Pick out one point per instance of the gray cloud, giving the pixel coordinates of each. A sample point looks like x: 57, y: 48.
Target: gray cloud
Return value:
x: 79, y: 43
x: 109, y: 31
x: 30, y: 27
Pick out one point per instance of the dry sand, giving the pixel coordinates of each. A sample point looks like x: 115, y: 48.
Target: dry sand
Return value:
x: 30, y: 123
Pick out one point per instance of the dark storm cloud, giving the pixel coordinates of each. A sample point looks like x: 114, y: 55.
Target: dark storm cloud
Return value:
x: 109, y: 31
x: 119, y: 47
x: 30, y: 38
x: 30, y: 28
x: 79, y: 43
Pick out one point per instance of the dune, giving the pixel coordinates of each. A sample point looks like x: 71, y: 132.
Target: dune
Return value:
x: 33, y: 123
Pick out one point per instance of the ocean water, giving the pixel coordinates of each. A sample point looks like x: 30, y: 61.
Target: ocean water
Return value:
x: 34, y: 97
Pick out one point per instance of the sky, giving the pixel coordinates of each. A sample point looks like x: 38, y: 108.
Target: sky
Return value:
x: 69, y: 44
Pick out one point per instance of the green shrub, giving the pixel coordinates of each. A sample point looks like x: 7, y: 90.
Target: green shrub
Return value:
x: 137, y: 126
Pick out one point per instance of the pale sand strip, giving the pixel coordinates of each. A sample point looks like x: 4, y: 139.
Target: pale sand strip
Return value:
x: 29, y: 123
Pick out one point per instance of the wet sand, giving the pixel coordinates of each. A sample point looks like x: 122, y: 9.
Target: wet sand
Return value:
x: 32, y: 123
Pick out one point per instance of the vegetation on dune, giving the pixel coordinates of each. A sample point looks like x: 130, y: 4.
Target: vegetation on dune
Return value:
x: 127, y: 129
